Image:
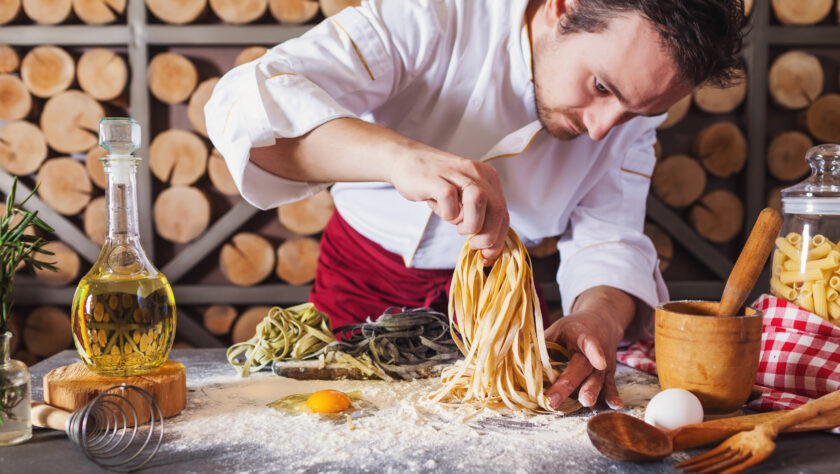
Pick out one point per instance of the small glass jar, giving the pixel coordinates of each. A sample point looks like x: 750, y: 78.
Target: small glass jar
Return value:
x: 15, y: 422
x: 806, y: 260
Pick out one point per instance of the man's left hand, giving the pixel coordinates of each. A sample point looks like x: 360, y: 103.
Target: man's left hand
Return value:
x: 591, y: 333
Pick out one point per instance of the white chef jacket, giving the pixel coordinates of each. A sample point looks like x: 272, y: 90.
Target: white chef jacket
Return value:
x: 456, y: 75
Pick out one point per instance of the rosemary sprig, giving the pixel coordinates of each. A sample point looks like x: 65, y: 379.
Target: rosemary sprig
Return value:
x: 17, y: 247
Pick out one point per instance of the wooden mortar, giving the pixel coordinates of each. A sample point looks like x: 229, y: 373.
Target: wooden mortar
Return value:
x: 715, y: 358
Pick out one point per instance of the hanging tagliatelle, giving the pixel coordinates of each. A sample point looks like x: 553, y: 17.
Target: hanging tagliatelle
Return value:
x: 500, y: 332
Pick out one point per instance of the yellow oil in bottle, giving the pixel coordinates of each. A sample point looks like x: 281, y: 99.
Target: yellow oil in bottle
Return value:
x: 124, y: 325
x: 123, y: 314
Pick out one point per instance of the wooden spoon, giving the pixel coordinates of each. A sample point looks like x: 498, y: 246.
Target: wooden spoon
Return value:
x: 626, y: 438
x: 750, y: 262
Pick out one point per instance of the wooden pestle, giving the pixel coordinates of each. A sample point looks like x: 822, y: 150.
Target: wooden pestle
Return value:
x: 750, y: 262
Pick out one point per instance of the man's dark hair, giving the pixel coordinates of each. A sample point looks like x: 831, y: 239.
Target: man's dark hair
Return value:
x: 704, y: 37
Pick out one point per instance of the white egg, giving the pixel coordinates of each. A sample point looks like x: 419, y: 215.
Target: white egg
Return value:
x: 672, y: 408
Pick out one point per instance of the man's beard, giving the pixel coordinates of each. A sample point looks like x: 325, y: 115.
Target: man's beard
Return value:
x: 556, y: 122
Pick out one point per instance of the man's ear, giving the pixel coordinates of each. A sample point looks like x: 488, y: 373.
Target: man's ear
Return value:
x: 555, y: 10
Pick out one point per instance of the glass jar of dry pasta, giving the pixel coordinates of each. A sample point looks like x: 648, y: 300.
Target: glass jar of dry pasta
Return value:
x: 806, y: 260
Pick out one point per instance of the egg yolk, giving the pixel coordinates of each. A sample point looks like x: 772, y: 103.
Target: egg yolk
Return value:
x: 328, y: 401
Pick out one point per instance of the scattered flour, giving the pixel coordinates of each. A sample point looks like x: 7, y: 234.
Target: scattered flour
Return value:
x: 227, y: 427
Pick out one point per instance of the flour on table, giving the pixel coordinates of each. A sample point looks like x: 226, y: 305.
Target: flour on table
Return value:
x: 227, y: 420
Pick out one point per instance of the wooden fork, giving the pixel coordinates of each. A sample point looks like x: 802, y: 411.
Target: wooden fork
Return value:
x: 749, y: 448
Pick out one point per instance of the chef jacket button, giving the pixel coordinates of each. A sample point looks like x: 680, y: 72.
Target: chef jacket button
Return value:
x: 476, y: 102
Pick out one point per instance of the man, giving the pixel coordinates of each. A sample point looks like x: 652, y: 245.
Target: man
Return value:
x: 442, y: 119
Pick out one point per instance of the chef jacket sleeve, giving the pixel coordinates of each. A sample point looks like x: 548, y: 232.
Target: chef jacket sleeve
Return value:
x: 347, y: 65
x: 605, y: 244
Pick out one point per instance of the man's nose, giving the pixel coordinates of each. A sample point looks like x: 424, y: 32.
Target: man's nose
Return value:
x: 603, y: 119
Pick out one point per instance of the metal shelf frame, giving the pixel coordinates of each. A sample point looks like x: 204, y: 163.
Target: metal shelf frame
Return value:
x: 137, y: 35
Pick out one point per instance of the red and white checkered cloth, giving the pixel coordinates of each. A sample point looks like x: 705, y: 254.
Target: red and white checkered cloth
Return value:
x: 800, y: 356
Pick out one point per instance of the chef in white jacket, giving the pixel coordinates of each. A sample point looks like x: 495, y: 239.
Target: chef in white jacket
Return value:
x: 435, y: 120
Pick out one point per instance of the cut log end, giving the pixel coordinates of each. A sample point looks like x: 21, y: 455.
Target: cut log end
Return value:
x: 177, y: 13
x: 249, y: 54
x: 47, y: 70
x: 718, y: 216
x: 220, y: 174
x: 198, y: 99
x: 308, y: 216
x: 70, y: 122
x: 297, y: 260
x: 823, y: 118
x: 94, y: 220
x: 247, y: 260
x: 331, y: 7
x: 678, y: 180
x: 47, y: 331
x: 65, y: 260
x: 172, y: 77
x: 9, y: 58
x: 722, y: 148
x: 717, y: 100
x: 93, y: 163
x: 15, y: 100
x: 99, y: 12
x: 795, y: 79
x: 676, y: 113
x: 9, y: 11
x: 246, y: 326
x: 662, y: 243
x: 102, y: 73
x: 64, y: 185
x: 181, y: 214
x: 218, y: 319
x: 47, y: 12
x: 786, y: 155
x: 23, y: 148
x: 293, y: 11
x: 178, y: 157
x: 798, y: 12
x: 238, y: 12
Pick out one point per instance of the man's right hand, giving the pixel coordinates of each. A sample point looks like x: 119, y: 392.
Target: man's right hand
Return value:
x: 462, y: 192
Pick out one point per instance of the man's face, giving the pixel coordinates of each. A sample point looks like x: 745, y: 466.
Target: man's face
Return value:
x: 587, y: 83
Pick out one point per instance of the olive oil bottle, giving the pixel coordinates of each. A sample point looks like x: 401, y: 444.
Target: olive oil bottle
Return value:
x: 123, y: 314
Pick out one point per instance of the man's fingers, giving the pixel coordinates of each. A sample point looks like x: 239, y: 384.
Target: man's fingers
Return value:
x: 446, y: 201
x: 490, y: 254
x: 611, y: 395
x: 592, y: 349
x: 576, y: 372
x: 473, y: 210
x: 591, y: 387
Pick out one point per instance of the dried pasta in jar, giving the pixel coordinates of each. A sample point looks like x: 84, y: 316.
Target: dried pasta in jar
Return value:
x: 806, y: 271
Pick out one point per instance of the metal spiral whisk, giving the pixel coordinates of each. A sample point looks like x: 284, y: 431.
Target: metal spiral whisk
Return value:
x: 108, y: 429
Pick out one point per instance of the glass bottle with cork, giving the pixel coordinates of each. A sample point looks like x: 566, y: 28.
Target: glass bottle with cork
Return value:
x: 123, y: 314
x: 806, y: 261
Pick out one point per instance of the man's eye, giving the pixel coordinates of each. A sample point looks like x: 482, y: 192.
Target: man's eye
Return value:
x: 600, y: 87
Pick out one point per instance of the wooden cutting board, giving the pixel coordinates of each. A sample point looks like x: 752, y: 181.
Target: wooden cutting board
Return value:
x: 71, y: 387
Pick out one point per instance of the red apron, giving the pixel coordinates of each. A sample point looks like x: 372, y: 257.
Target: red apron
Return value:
x: 356, y: 278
